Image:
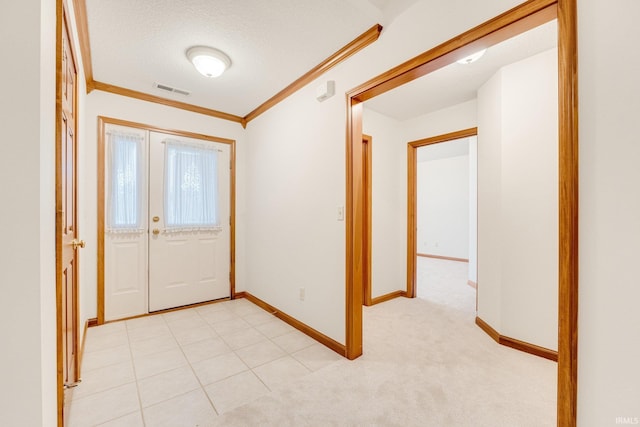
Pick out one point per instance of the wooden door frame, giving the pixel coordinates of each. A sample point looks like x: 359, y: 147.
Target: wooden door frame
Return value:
x: 62, y: 26
x: 367, y: 144
x: 102, y: 123
x: 515, y: 21
x: 412, y: 199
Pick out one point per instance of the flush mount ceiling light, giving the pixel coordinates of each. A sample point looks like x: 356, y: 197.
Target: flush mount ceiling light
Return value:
x: 208, y: 61
x: 472, y: 58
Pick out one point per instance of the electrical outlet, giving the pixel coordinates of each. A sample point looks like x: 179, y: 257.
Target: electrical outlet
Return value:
x: 301, y: 294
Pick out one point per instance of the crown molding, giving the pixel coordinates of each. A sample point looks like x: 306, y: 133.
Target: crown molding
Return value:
x: 80, y: 9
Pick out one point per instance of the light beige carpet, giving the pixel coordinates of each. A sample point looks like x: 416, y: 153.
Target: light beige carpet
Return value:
x: 425, y: 363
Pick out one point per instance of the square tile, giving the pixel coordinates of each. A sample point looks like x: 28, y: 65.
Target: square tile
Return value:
x: 145, y: 322
x: 217, y: 368
x: 189, y: 336
x: 167, y: 385
x: 243, y: 338
x: 188, y: 410
x: 148, y: 332
x: 228, y: 326
x: 131, y: 420
x: 274, y: 328
x: 105, y: 341
x: 153, y: 345
x: 260, y: 353
x: 105, y: 357
x: 280, y: 372
x: 259, y: 318
x: 104, y: 406
x: 156, y: 363
x: 210, y: 308
x: 317, y: 356
x: 176, y: 315
x: 104, y: 378
x: 235, y: 391
x: 293, y: 341
x: 217, y: 316
x: 107, y: 328
x: 243, y: 307
x: 187, y: 323
x: 205, y: 349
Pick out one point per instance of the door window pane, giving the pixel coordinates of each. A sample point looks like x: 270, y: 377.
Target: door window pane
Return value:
x: 191, y: 185
x: 125, y: 184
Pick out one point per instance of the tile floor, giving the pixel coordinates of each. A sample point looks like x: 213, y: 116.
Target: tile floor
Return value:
x: 188, y: 367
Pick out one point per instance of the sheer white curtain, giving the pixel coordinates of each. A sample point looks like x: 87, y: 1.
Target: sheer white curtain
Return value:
x: 191, y: 186
x: 126, y: 179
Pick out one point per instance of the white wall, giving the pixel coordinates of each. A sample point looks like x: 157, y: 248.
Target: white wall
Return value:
x: 450, y: 119
x: 119, y: 107
x: 388, y: 204
x: 443, y: 206
x: 27, y: 221
x: 296, y: 183
x: 609, y: 310
x: 518, y: 200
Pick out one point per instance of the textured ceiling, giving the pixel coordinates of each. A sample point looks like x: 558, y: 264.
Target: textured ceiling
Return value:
x: 457, y: 83
x: 135, y: 43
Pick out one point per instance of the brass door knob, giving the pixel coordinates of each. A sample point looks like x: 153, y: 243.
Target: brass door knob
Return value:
x: 156, y: 218
x: 77, y: 244
x: 156, y: 231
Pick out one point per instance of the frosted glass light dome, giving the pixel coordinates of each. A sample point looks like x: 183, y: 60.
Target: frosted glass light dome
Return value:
x: 208, y: 61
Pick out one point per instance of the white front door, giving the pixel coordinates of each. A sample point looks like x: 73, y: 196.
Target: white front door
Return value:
x: 189, y: 215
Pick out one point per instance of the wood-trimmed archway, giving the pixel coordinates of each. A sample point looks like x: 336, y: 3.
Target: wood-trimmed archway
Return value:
x: 515, y: 21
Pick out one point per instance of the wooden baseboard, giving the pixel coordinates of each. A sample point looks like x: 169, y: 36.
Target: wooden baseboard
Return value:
x: 308, y: 330
x: 92, y: 322
x: 488, y: 329
x: 387, y: 297
x: 449, y: 258
x: 473, y: 284
x: 536, y: 350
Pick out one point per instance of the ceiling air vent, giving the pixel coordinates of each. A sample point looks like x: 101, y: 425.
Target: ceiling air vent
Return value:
x: 171, y: 89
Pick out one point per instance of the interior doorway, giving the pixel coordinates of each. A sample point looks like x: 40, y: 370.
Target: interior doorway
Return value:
x: 513, y: 22
x: 444, y: 196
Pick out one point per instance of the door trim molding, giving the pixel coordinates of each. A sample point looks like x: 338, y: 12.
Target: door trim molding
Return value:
x: 412, y: 202
x: 102, y: 123
x: 517, y: 20
x: 367, y: 146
